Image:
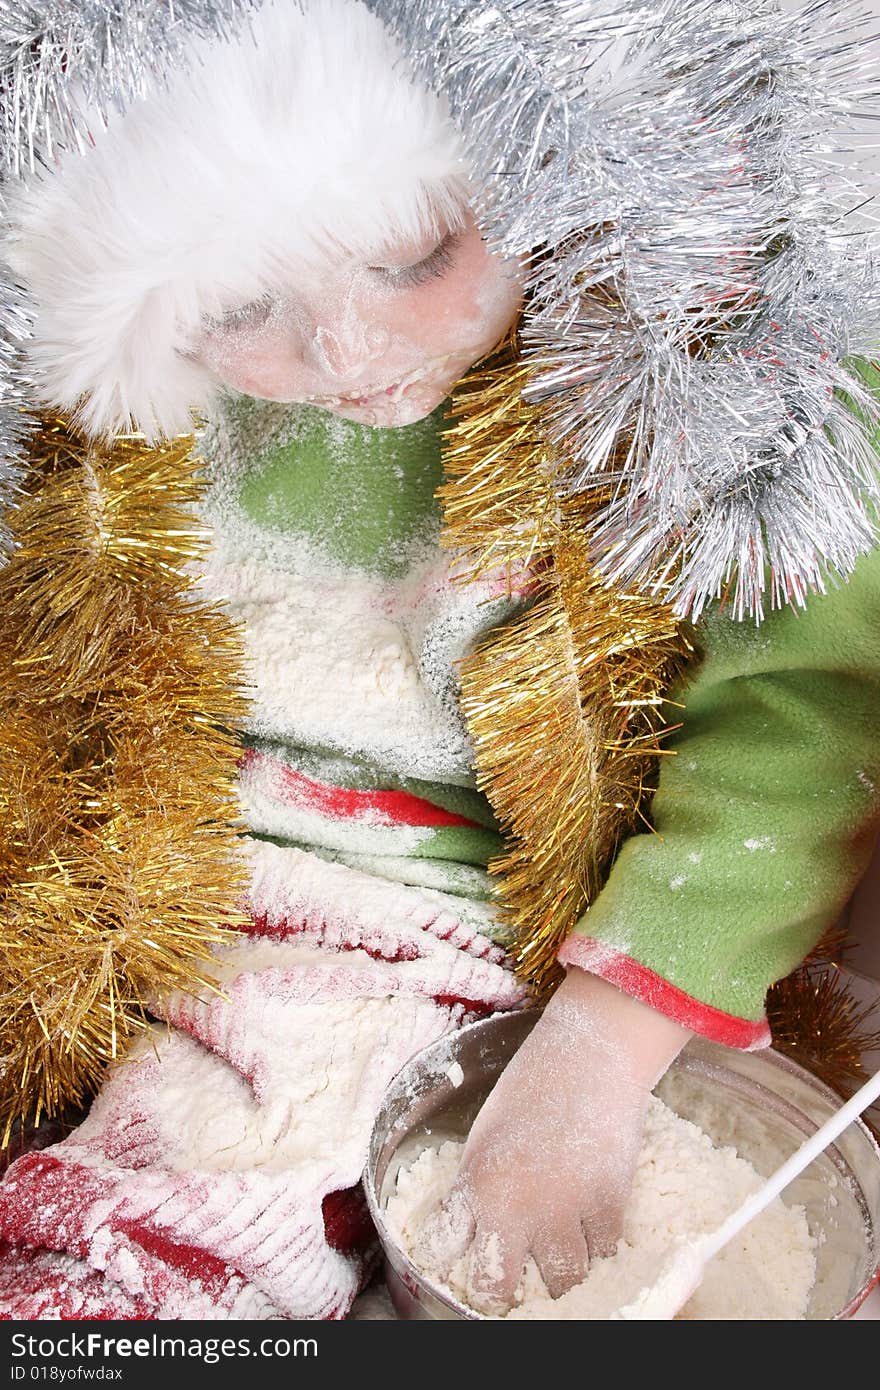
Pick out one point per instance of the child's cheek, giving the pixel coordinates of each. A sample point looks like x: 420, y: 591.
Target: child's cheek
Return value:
x: 258, y: 364
x: 471, y: 306
x: 475, y: 306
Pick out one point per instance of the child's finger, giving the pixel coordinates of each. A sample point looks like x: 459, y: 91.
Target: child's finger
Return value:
x: 445, y: 1236
x: 604, y: 1229
x: 562, y: 1258
x: 495, y: 1270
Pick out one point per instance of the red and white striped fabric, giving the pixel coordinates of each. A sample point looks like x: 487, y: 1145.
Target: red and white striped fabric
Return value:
x: 217, y: 1173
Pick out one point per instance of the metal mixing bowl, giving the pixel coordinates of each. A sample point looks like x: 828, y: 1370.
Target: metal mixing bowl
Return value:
x: 761, y: 1101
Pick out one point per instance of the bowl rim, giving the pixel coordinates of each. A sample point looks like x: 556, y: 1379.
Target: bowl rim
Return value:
x: 445, y: 1295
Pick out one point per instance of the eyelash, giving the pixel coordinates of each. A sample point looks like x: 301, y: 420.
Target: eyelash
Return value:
x: 433, y: 267
x: 250, y: 315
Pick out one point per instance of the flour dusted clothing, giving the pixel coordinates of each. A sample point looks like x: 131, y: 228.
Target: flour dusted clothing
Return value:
x: 216, y: 1176
x: 327, y: 547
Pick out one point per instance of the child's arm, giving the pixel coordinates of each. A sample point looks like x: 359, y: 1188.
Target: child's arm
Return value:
x: 766, y: 817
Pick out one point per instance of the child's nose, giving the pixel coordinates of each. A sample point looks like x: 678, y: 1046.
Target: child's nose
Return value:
x: 344, y: 353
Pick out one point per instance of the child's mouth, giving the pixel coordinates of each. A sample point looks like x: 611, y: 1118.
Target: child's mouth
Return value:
x: 380, y: 395
x: 388, y: 392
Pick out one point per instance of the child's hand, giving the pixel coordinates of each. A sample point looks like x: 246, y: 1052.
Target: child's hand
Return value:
x: 548, y: 1165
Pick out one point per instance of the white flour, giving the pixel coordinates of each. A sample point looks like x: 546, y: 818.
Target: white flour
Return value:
x: 683, y: 1187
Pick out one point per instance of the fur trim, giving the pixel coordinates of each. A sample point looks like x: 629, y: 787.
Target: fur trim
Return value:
x: 305, y: 132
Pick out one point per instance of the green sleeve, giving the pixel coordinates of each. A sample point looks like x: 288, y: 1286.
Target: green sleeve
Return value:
x: 765, y: 815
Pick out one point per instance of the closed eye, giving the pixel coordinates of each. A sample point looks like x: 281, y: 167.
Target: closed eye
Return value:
x: 432, y: 267
x: 251, y: 315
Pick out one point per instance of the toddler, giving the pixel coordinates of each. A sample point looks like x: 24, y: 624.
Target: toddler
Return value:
x: 290, y: 220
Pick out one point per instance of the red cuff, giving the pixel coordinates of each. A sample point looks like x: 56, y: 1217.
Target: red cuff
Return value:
x: 642, y: 983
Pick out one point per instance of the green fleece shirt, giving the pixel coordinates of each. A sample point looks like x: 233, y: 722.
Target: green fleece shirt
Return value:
x: 764, y: 817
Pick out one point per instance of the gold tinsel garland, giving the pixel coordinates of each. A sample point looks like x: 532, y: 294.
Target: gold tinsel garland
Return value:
x: 565, y: 702
x: 119, y: 698
x: 815, y: 1018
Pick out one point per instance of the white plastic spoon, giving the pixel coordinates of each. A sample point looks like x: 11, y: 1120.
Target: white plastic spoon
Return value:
x: 682, y: 1271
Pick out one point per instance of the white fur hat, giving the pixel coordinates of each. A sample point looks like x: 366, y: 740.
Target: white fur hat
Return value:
x: 305, y: 133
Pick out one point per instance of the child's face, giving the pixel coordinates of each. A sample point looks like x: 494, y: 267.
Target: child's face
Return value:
x: 380, y: 343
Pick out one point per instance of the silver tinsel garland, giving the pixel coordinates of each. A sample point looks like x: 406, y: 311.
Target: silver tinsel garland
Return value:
x: 683, y: 162
x: 15, y: 325
x: 61, y: 59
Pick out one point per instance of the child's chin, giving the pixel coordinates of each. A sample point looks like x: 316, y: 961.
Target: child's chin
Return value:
x: 408, y: 410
